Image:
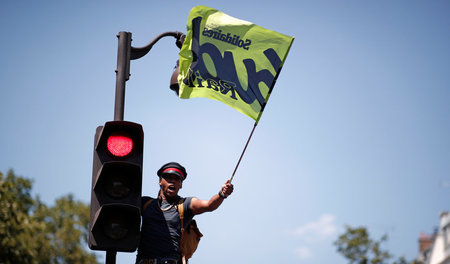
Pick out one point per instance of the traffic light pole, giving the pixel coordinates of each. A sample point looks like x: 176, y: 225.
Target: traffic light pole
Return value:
x: 110, y: 257
x: 125, y: 53
x: 122, y: 73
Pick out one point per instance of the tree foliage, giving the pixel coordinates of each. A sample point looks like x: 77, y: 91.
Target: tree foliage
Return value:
x: 357, y: 246
x: 32, y: 232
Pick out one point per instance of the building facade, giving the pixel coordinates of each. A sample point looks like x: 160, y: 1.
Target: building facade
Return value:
x: 435, y: 248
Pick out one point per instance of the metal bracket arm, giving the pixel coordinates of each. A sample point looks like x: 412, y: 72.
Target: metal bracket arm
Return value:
x: 137, y: 53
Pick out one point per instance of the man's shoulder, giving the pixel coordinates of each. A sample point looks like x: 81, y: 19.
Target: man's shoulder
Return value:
x: 187, y: 205
x: 145, y: 201
x: 186, y: 199
x: 146, y: 198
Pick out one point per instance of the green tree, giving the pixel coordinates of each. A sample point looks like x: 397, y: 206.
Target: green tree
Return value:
x: 357, y: 246
x: 32, y: 232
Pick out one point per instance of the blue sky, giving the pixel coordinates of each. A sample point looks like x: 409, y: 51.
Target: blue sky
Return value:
x: 356, y: 131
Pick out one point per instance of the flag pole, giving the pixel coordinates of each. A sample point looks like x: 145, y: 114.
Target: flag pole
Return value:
x: 256, y: 122
x: 253, y: 130
x: 242, y: 154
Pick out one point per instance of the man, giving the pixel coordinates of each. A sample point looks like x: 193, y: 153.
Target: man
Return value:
x: 161, y: 224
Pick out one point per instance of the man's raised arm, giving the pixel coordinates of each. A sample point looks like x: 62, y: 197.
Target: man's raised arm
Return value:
x: 201, y: 206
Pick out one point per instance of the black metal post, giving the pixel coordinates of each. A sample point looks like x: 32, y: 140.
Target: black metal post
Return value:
x: 110, y: 257
x: 122, y: 73
x: 125, y: 53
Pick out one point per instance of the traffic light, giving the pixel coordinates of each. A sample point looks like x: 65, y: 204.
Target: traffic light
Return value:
x: 116, y: 187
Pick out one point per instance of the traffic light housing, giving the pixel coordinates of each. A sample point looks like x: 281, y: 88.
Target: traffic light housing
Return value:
x: 116, y: 187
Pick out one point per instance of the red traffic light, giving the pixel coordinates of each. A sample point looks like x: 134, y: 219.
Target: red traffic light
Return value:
x: 119, y: 146
x: 116, y: 187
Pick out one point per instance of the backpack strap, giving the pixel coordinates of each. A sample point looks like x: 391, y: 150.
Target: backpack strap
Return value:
x: 180, y: 208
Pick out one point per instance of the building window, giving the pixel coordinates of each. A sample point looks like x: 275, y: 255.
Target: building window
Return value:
x: 446, y: 231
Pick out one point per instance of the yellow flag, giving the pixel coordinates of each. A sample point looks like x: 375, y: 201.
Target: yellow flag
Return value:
x: 230, y: 60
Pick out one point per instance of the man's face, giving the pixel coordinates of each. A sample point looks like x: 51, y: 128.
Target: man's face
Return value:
x: 170, y: 185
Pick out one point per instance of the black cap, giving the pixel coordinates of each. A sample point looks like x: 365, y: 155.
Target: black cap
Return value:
x: 173, y: 168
